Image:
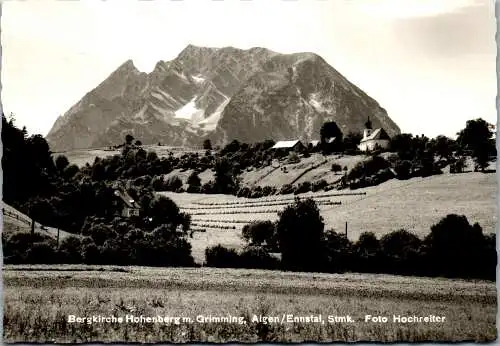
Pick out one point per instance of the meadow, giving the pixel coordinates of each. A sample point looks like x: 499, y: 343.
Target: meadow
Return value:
x: 38, y: 300
x: 415, y: 205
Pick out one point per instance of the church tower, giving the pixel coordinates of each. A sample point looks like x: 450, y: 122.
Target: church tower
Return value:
x: 368, y: 129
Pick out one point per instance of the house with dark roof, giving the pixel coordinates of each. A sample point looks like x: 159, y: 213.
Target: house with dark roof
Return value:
x: 129, y: 206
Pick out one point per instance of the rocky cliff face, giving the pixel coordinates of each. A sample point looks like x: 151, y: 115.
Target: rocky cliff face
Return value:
x: 224, y: 94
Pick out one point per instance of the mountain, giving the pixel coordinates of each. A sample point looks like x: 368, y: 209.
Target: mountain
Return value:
x: 221, y: 94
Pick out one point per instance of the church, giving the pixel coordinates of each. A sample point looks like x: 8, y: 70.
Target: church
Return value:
x: 374, y: 138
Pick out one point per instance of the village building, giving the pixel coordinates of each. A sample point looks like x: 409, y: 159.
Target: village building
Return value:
x: 374, y: 138
x: 295, y: 145
x: 129, y: 205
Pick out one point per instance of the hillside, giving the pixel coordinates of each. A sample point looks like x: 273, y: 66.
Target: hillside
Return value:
x: 223, y: 94
x: 414, y: 205
x: 15, y: 221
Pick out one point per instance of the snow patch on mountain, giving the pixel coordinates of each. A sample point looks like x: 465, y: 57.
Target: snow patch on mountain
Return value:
x: 198, y: 79
x: 190, y: 112
x: 210, y: 122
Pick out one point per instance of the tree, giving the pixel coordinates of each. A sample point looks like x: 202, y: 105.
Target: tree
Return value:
x: 396, y: 243
x: 368, y: 243
x: 61, y: 162
x: 300, y: 231
x: 352, y: 140
x: 477, y: 138
x: 221, y: 257
x: 455, y: 246
x: 129, y: 139
x: 329, y: 130
x: 70, y: 171
x: 207, y: 145
x: 138, y: 143
x: 443, y: 146
x: 225, y: 181
x: 403, y: 145
x: 164, y: 211
x: 194, y: 182
x: 260, y: 232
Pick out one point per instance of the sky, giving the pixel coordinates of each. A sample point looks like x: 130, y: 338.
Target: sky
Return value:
x: 430, y: 63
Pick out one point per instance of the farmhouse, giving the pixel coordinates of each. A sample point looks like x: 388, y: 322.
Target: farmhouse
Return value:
x: 130, y: 206
x: 373, y: 139
x: 295, y: 145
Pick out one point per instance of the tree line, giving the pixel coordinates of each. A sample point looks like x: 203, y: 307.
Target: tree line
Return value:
x: 454, y: 248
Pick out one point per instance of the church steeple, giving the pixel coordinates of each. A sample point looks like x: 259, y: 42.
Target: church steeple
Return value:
x: 368, y: 124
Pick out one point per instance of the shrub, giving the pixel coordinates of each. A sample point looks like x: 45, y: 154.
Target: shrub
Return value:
x: 208, y: 187
x: 336, y: 167
x: 158, y: 184
x: 70, y: 250
x: 100, y: 233
x: 243, y: 192
x: 268, y: 190
x: 256, y: 192
x: 293, y: 158
x: 319, y: 185
x: 173, y: 184
x: 221, y: 257
x: 42, y: 253
x: 257, y: 258
x: 287, y: 189
x: 259, y: 232
x: 303, y: 188
x: 403, y: 169
x: 368, y: 168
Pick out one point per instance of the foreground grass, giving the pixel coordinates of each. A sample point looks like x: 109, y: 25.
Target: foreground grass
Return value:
x: 38, y: 301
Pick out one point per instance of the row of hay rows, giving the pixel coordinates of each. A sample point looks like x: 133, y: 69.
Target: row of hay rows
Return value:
x: 269, y: 200
x: 255, y: 205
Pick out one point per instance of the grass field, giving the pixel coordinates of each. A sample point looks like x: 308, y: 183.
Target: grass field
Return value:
x: 38, y: 300
x: 80, y: 157
x: 414, y: 205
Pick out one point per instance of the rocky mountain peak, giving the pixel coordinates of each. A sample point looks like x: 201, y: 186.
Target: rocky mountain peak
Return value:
x: 221, y: 93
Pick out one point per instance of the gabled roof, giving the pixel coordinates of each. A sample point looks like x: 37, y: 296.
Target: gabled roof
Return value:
x: 377, y: 134
x: 315, y: 142
x: 127, y: 200
x: 285, y: 144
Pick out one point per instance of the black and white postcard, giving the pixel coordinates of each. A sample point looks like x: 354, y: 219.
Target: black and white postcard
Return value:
x: 244, y: 171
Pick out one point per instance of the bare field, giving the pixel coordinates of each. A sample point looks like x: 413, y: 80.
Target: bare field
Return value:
x: 414, y: 205
x: 38, y: 300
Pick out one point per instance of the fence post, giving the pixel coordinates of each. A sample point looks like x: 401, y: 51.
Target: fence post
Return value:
x: 346, y: 229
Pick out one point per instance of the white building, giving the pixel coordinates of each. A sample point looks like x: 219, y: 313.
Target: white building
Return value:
x: 373, y: 139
